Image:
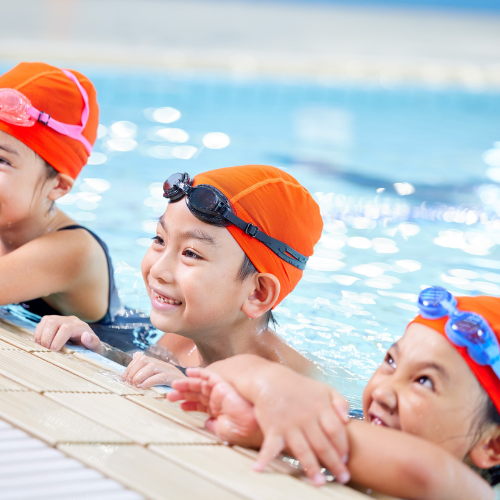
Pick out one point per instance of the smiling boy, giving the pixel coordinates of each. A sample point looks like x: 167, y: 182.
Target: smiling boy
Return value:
x: 230, y: 247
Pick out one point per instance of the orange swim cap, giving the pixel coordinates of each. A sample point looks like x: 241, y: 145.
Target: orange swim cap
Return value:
x: 489, y: 309
x: 276, y: 203
x: 52, y: 92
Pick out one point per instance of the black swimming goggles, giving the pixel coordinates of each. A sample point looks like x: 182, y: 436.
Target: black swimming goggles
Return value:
x: 209, y: 205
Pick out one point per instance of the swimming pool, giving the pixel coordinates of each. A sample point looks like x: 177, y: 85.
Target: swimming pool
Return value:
x: 406, y: 178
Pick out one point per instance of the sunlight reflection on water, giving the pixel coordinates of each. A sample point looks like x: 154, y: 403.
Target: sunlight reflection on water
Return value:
x: 406, y: 180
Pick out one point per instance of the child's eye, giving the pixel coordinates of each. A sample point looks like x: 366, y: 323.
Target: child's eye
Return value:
x: 390, y: 360
x: 190, y: 254
x: 158, y: 239
x: 3, y: 161
x: 426, y: 382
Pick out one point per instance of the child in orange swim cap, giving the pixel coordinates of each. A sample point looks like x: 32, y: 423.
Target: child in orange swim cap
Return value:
x: 439, y: 384
x: 231, y: 245
x: 48, y: 263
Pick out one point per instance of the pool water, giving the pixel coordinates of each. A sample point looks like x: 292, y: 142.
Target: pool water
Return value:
x: 406, y: 177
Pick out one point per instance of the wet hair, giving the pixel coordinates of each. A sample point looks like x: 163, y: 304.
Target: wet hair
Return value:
x: 248, y: 269
x: 489, y: 416
x: 50, y: 171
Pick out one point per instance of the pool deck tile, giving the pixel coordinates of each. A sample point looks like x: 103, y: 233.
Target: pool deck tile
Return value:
x: 233, y: 471
x: 172, y: 411
x: 137, y: 438
x: 90, y: 372
x: 52, y: 422
x: 147, y: 472
x: 4, y: 346
x: 21, y: 341
x: 6, y: 384
x: 40, y: 375
x: 129, y: 419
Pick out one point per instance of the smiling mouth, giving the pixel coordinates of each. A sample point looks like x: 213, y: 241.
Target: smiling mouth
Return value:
x: 166, y: 300
x: 377, y: 421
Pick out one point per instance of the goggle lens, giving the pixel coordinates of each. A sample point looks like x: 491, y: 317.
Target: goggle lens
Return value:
x: 14, y: 108
x: 431, y: 302
x: 463, y: 328
x: 171, y: 188
x: 470, y: 329
x: 203, y: 201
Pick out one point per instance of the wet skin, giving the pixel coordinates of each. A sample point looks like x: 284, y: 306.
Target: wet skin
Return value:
x: 190, y: 272
x: 67, y: 268
x: 424, y: 387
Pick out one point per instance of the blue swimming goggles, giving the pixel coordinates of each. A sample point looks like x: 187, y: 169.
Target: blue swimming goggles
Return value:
x: 464, y: 328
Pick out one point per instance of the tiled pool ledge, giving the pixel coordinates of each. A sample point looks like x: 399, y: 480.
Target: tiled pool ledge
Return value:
x: 78, y: 407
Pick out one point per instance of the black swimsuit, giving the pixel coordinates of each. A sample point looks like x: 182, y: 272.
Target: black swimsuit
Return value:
x: 41, y: 308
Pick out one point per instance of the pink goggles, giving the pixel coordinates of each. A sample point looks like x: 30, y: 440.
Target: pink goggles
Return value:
x: 16, y: 109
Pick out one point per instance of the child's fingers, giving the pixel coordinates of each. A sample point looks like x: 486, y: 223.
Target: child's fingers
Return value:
x: 175, y: 395
x: 272, y: 446
x: 211, y: 425
x: 137, y: 364
x: 164, y: 378
x: 188, y: 384
x: 196, y: 396
x: 39, y: 330
x: 66, y: 331
x: 217, y: 395
x: 61, y: 336
x: 341, y: 406
x: 336, y: 433
x: 91, y: 341
x: 181, y: 384
x: 49, y: 330
x: 124, y: 375
x: 194, y: 372
x: 206, y: 388
x: 326, y: 453
x: 301, y: 450
x: 141, y: 375
x: 193, y: 406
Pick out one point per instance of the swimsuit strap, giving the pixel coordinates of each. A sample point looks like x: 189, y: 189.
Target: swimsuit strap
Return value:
x: 114, y: 303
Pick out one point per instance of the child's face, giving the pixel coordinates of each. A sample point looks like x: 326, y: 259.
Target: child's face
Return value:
x: 424, y: 387
x: 22, y: 182
x: 190, y: 274
x: 21, y: 176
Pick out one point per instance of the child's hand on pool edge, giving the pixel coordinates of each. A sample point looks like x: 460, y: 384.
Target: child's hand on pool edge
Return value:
x: 232, y: 417
x: 313, y: 432
x: 54, y: 331
x: 195, y: 391
x: 144, y: 372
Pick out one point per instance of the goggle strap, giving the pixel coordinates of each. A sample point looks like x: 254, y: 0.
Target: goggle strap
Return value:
x: 73, y: 131
x: 282, y: 250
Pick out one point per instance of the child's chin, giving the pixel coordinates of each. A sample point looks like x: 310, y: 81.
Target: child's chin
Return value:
x: 161, y: 322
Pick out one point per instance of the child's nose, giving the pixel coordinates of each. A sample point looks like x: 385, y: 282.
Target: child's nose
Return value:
x: 386, y: 396
x: 162, y: 269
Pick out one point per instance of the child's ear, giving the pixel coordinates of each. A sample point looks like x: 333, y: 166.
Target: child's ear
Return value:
x: 486, y: 453
x: 265, y: 292
x: 61, y: 185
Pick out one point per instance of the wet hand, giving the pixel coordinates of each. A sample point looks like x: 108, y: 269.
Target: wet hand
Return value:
x: 297, y: 414
x: 54, y: 331
x: 232, y: 417
x: 144, y: 371
x: 307, y: 419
